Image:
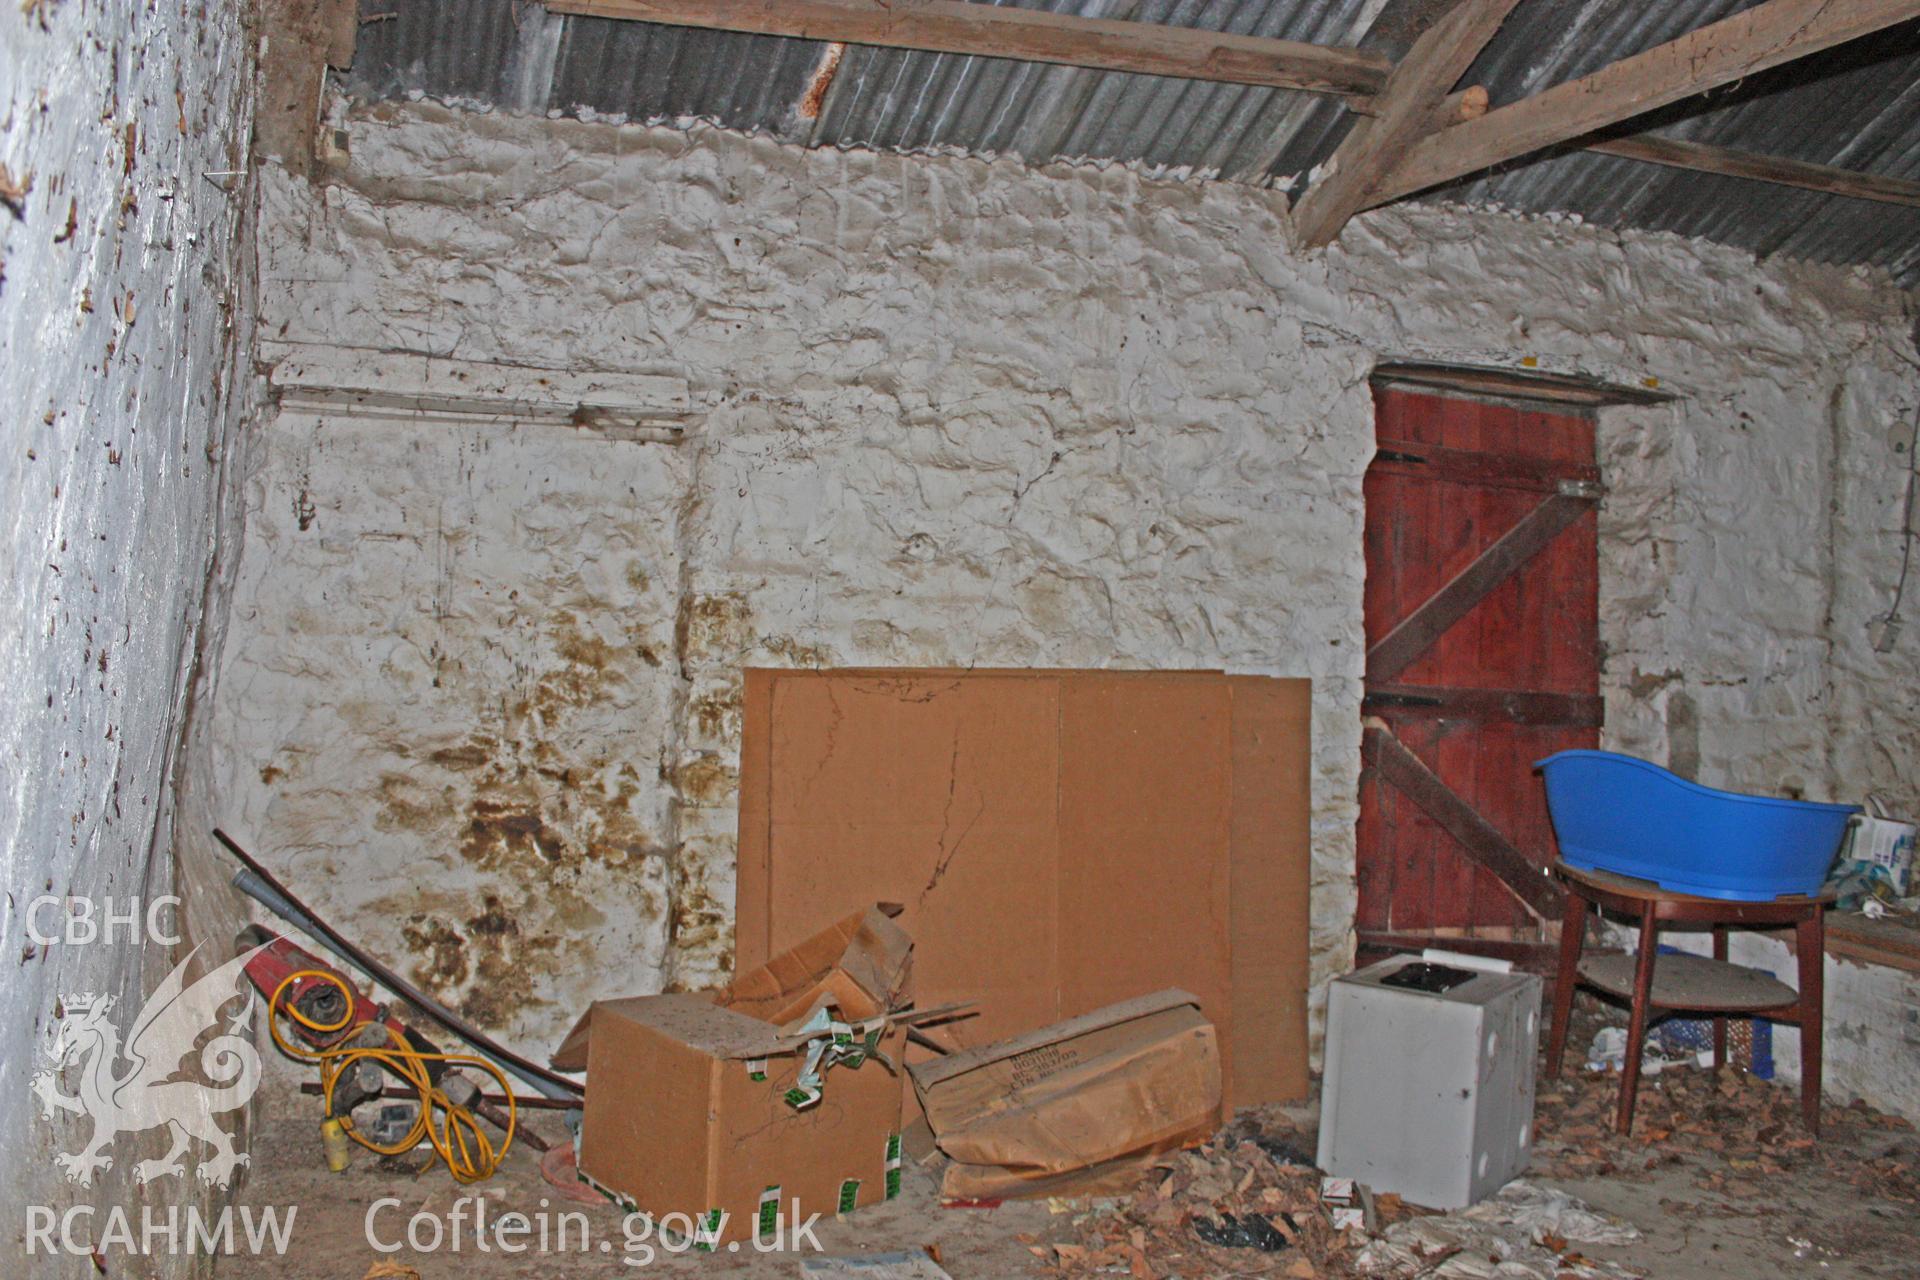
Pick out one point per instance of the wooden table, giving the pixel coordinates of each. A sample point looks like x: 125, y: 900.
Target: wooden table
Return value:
x: 1653, y: 983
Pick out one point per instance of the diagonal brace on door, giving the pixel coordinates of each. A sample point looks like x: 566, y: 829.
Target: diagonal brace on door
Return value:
x: 1402, y: 646
x: 1478, y: 838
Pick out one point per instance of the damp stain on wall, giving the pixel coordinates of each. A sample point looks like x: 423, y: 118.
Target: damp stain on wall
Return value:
x: 483, y: 964
x: 706, y: 780
x: 477, y: 701
x: 713, y: 625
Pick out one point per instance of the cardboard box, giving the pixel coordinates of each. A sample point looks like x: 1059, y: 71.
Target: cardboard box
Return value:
x: 1061, y: 840
x: 1078, y: 1107
x: 1880, y: 847
x: 689, y: 1107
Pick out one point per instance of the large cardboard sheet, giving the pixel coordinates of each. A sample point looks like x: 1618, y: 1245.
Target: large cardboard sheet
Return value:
x: 1059, y: 840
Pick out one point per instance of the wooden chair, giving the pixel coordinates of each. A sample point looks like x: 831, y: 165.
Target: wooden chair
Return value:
x: 1653, y: 983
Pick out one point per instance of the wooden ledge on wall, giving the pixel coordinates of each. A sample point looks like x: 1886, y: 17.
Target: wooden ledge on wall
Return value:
x: 1883, y: 942
x: 1559, y: 389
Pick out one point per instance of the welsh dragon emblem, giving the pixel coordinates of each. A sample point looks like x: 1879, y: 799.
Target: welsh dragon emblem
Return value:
x: 133, y: 1088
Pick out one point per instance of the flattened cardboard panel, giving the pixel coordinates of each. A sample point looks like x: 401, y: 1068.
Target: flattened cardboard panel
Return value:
x: 958, y: 746
x: 1272, y: 729
x: 753, y: 924
x: 985, y: 951
x: 799, y: 871
x: 1145, y: 784
x: 937, y: 793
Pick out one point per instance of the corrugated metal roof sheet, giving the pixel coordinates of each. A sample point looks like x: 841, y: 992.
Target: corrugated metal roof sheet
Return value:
x: 1857, y: 106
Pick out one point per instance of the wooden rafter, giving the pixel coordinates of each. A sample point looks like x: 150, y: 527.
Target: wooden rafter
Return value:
x: 1357, y: 76
x: 1745, y: 44
x: 1407, y: 112
x: 1033, y: 35
x: 1701, y: 157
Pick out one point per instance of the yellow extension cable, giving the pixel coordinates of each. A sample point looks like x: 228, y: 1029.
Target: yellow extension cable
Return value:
x: 458, y: 1139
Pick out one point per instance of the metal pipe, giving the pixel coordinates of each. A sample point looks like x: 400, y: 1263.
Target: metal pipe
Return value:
x: 526, y: 1102
x: 258, y: 883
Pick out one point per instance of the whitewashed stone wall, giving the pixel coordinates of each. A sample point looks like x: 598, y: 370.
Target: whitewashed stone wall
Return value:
x: 125, y: 339
x: 953, y: 411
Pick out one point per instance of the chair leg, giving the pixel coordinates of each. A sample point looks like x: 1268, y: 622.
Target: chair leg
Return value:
x: 1573, y: 930
x: 1720, y: 1020
x: 1811, y: 943
x: 1637, y: 1022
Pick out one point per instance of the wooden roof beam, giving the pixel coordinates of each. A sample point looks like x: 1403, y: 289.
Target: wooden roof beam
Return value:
x: 1749, y: 42
x: 1031, y: 35
x: 1410, y: 108
x: 1700, y: 157
x: 1358, y: 76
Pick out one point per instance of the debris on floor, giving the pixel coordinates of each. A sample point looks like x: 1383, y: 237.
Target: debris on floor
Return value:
x: 1523, y: 1233
x: 390, y: 1271
x: 1246, y: 1203
x: 1543, y: 1211
x: 1848, y: 1204
x: 1080, y: 1106
x: 904, y: 1264
x: 1608, y: 1053
x: 1755, y: 1124
x: 1245, y: 1206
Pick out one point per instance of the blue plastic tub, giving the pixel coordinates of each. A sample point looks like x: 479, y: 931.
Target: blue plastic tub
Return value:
x: 1615, y: 813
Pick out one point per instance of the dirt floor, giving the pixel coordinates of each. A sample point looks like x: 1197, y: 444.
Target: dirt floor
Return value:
x: 1719, y: 1177
x: 331, y: 1235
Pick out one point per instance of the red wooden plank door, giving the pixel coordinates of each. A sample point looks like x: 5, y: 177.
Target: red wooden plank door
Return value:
x: 1482, y: 657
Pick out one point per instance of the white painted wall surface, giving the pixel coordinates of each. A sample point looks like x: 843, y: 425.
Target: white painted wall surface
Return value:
x: 953, y: 411
x: 125, y: 323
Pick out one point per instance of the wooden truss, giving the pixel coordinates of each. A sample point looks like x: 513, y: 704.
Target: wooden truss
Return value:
x: 1417, y: 131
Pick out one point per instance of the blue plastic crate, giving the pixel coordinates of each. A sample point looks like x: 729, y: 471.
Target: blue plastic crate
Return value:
x: 1749, y: 1039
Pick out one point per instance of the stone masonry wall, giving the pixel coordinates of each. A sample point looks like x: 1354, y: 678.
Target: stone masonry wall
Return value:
x: 125, y: 366
x: 952, y: 411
